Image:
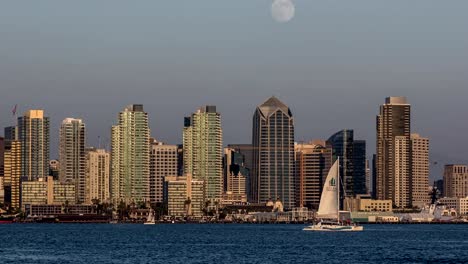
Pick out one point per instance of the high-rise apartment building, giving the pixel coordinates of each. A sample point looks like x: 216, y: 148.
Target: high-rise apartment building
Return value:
x: 456, y: 181
x: 419, y: 170
x: 12, y: 173
x: 273, y: 174
x: 33, y: 134
x: 313, y: 161
x: 203, y: 150
x: 54, y: 169
x: 130, y: 156
x: 47, y: 191
x: 163, y: 163
x: 393, y: 152
x: 72, y: 156
x: 11, y: 133
x: 352, y: 155
x: 97, y: 175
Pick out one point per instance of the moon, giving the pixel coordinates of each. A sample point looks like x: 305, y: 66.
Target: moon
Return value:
x: 282, y: 10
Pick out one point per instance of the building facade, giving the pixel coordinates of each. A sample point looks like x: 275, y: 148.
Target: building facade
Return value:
x: 203, y: 150
x: 34, y: 136
x: 459, y: 204
x: 130, y: 156
x: 273, y: 173
x: 12, y: 173
x: 47, y: 191
x: 235, y: 172
x: 419, y: 170
x: 72, y: 156
x: 313, y: 161
x: 456, y: 181
x: 97, y: 175
x: 184, y: 196
x: 163, y: 163
x: 393, y: 152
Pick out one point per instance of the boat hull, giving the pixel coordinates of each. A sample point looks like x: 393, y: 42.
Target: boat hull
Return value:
x: 334, y: 228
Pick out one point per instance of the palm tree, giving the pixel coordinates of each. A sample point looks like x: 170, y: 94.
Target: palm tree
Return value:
x: 188, y: 207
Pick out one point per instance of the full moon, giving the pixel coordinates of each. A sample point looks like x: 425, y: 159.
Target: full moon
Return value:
x: 282, y: 10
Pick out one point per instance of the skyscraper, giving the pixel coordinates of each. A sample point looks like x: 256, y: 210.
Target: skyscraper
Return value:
x: 419, y: 170
x: 273, y: 175
x: 33, y: 134
x: 313, y: 161
x: 97, y: 175
x: 203, y: 150
x: 163, y: 163
x: 352, y: 155
x: 72, y: 156
x: 130, y: 156
x: 393, y: 152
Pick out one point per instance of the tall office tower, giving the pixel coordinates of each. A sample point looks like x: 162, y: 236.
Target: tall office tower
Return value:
x: 440, y: 187
x: 247, y: 151
x: 313, y: 161
x: 33, y: 133
x: 352, y: 155
x: 455, y: 181
x: 368, y: 177
x: 130, y: 156
x: 163, y: 163
x: 180, y: 159
x: 273, y: 174
x: 236, y: 173
x: 72, y: 156
x: 12, y: 173
x: 203, y: 150
x: 419, y: 170
x: 11, y: 133
x: 97, y: 175
x: 393, y: 152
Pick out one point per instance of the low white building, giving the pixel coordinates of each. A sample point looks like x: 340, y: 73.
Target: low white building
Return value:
x: 459, y: 204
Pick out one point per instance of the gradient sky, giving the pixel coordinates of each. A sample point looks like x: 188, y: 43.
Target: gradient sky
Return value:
x: 333, y: 64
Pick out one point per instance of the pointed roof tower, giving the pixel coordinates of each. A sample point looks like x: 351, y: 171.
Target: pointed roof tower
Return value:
x: 272, y: 105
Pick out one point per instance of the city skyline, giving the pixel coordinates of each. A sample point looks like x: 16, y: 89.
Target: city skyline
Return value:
x: 89, y: 60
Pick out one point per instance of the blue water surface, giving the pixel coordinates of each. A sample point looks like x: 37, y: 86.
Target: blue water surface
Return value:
x: 234, y: 243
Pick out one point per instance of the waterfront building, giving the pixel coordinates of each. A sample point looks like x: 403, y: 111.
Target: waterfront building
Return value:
x: 163, y: 162
x: 393, y: 152
x: 130, y: 156
x: 47, y: 191
x: 273, y: 173
x: 313, y: 161
x: 203, y: 150
x: 33, y: 134
x: 72, y: 156
x: 365, y: 203
x: 456, y: 181
x: 12, y: 173
x: 235, y: 172
x: 460, y: 204
x: 184, y: 196
x: 97, y: 175
x: 2, y: 169
x: 352, y: 155
x: 11, y: 133
x: 419, y: 170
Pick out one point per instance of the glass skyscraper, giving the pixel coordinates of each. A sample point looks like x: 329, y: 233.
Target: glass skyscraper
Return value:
x: 273, y: 175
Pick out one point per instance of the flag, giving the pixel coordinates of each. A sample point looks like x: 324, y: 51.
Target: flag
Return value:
x: 14, y: 109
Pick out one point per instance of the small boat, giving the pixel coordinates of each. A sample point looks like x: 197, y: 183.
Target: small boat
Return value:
x: 329, y: 208
x: 150, y: 220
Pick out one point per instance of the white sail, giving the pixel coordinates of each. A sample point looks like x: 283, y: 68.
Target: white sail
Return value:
x: 328, y: 207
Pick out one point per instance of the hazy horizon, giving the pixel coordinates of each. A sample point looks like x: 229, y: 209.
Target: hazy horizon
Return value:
x: 333, y: 64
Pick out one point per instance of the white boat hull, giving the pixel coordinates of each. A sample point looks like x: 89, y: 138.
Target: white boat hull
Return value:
x: 334, y: 228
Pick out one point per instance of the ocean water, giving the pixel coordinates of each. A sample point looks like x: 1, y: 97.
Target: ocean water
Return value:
x: 179, y: 243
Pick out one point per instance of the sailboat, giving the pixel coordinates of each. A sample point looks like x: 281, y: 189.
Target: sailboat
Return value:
x: 150, y: 220
x: 330, y: 205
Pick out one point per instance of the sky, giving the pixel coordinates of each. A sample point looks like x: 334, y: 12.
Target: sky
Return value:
x: 333, y: 64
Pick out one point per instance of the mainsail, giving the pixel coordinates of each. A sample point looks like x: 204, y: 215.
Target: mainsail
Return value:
x: 328, y: 207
